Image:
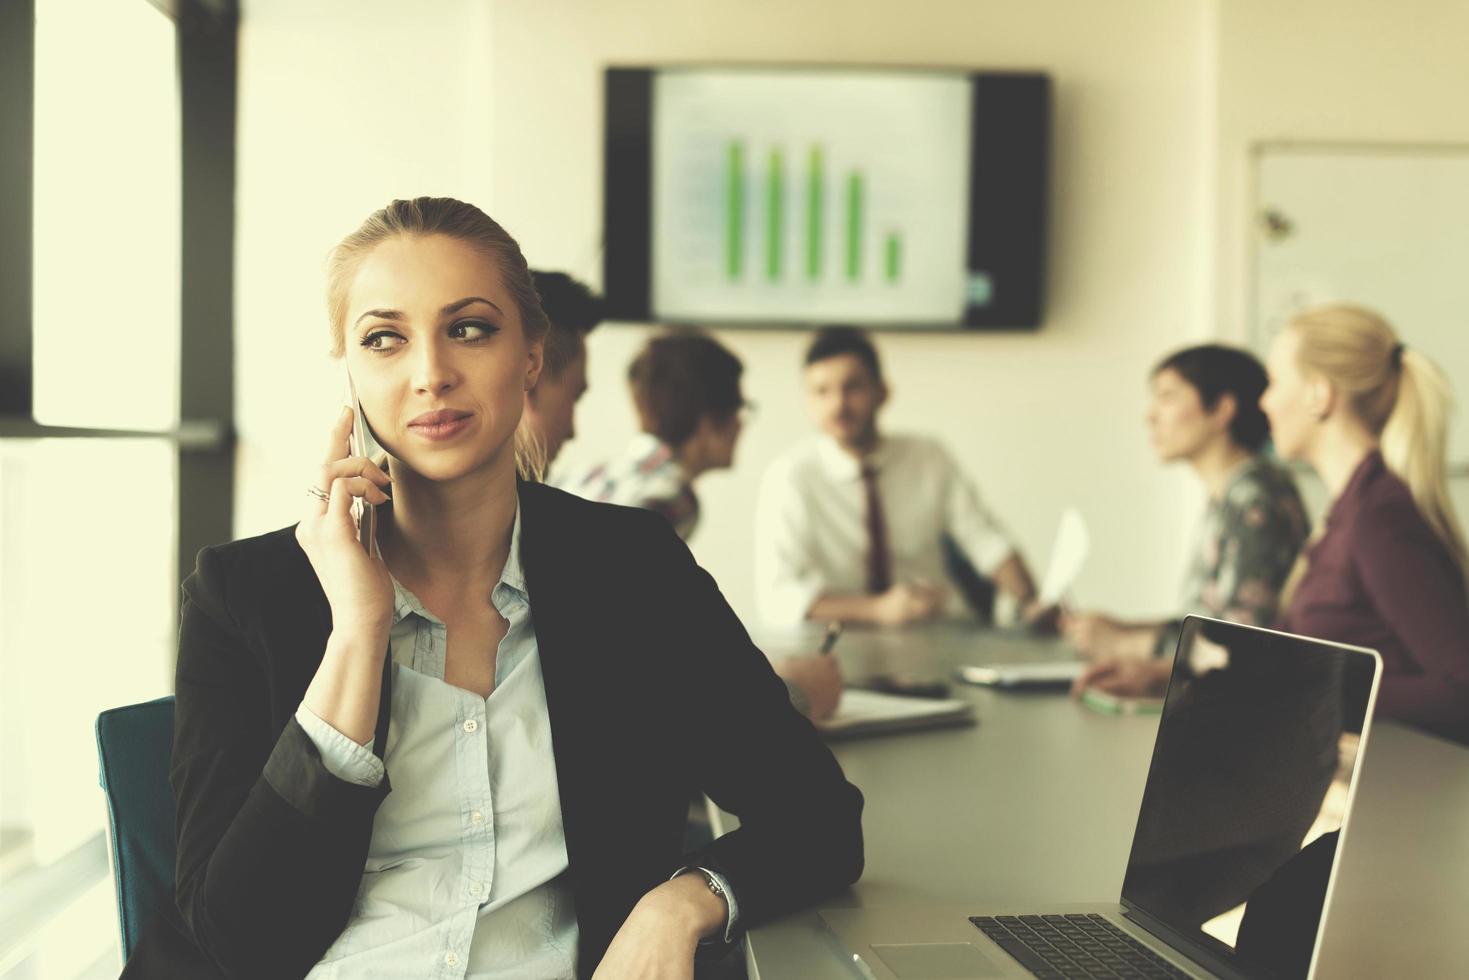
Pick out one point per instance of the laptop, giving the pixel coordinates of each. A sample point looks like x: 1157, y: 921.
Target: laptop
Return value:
x: 1238, y: 837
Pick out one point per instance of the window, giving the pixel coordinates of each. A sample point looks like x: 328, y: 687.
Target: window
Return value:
x: 107, y: 222
x: 115, y: 450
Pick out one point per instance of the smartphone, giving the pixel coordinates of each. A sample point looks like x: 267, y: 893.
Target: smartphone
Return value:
x: 360, y: 444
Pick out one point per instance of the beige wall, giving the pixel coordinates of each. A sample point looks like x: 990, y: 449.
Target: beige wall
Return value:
x: 345, y: 105
x: 1332, y: 70
x: 1041, y: 420
x: 1328, y: 70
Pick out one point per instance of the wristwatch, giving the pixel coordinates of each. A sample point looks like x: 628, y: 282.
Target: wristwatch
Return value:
x: 716, y: 885
x: 711, y: 881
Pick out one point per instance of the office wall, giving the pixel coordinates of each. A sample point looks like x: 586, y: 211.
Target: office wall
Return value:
x: 1331, y: 70
x: 1041, y: 420
x: 1338, y: 70
x: 343, y: 106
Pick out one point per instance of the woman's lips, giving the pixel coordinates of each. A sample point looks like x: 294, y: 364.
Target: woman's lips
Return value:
x: 440, y: 425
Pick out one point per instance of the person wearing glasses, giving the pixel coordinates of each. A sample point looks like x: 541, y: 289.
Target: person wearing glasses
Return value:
x: 685, y: 387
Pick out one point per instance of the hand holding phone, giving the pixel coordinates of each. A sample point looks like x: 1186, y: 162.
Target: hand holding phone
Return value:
x: 362, y: 511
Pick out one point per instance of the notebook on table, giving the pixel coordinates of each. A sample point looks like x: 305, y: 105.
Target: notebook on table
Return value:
x: 874, y: 713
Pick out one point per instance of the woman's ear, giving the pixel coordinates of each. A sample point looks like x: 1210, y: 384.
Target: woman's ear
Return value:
x: 1320, y: 398
x: 535, y: 361
x: 1224, y: 410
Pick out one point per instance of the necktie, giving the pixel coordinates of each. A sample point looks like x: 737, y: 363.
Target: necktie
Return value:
x: 879, y: 575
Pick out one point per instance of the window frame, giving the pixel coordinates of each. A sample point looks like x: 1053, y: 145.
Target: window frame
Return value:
x: 207, y: 56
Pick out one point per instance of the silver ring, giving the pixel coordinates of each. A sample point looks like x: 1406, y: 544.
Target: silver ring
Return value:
x: 319, y: 494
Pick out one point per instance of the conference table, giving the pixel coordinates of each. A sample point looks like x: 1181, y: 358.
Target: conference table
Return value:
x: 1036, y: 803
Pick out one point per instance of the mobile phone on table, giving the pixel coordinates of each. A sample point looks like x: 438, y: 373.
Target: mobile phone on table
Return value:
x: 360, y: 444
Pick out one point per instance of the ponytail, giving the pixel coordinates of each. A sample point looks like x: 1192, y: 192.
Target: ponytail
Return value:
x: 1415, y: 446
x: 1399, y: 394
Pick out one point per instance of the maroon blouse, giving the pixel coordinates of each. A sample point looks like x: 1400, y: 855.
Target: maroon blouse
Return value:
x: 1379, y: 577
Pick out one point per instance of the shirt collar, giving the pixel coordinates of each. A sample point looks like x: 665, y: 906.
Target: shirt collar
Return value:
x: 842, y: 465
x: 1247, y: 467
x: 512, y: 577
x: 648, y: 452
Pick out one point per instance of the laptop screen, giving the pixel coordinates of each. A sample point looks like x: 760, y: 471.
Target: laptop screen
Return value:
x: 1244, y: 803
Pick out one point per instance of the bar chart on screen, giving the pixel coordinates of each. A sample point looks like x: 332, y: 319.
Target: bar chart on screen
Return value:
x: 774, y: 192
x: 809, y: 260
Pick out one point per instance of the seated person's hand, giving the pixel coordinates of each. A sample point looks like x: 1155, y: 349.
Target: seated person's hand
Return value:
x: 1125, y: 677
x: 658, y: 939
x: 1094, y: 634
x: 818, y: 677
x: 1040, y: 617
x: 909, y: 602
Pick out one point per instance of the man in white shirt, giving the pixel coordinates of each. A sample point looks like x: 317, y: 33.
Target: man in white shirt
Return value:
x: 852, y: 524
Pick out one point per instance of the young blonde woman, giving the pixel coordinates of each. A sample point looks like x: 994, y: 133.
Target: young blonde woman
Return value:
x: 1370, y: 415
x: 472, y: 756
x: 1388, y: 570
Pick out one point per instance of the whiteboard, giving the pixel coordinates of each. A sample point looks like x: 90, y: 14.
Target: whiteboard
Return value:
x: 1381, y: 225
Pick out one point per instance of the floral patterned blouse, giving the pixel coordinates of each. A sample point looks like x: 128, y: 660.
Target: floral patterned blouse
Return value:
x: 1246, y: 547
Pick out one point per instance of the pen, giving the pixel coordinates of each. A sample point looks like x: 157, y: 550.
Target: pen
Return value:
x: 829, y: 639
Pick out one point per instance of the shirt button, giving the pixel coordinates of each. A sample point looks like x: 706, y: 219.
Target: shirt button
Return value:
x: 476, y: 817
x: 452, y: 959
x: 471, y: 726
x: 474, y: 888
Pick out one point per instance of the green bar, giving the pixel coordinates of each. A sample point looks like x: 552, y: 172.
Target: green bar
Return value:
x: 854, y: 225
x: 774, y: 214
x: 734, y: 217
x: 813, y: 215
x: 894, y: 256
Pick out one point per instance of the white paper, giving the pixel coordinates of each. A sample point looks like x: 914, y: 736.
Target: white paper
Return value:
x: 859, y: 709
x: 1068, y: 555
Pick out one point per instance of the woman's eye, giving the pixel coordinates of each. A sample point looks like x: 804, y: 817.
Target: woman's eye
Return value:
x: 473, y: 330
x: 381, y: 340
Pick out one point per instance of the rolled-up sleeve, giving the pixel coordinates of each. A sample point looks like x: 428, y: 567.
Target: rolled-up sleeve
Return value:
x: 787, y: 582
x: 269, y: 842
x: 967, y: 520
x: 345, y: 759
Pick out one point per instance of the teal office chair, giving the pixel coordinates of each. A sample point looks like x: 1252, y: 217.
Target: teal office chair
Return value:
x: 134, y: 744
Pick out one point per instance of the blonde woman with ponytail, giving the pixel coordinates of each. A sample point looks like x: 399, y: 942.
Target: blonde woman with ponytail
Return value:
x: 386, y: 765
x: 1370, y: 415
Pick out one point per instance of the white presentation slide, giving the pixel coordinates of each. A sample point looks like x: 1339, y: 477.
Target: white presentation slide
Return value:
x: 797, y: 195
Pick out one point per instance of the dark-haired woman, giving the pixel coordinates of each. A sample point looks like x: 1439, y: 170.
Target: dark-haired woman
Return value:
x: 1205, y: 411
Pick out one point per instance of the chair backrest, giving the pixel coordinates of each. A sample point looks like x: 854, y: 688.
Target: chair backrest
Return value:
x: 978, y: 591
x: 134, y: 744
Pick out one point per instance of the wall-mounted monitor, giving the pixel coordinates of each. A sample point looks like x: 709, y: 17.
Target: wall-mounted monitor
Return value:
x: 799, y: 196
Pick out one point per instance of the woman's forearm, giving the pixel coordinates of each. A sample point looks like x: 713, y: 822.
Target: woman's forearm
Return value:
x: 346, y: 689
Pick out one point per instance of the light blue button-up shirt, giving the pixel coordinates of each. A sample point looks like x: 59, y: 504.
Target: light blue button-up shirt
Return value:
x: 466, y: 874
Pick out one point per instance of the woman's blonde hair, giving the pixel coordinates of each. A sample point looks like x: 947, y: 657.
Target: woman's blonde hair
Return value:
x: 423, y: 216
x: 1398, y: 393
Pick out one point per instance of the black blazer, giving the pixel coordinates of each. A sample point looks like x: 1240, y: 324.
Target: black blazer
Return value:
x: 654, y: 691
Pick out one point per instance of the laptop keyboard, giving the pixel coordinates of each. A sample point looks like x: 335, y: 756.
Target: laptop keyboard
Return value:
x: 1074, y: 947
